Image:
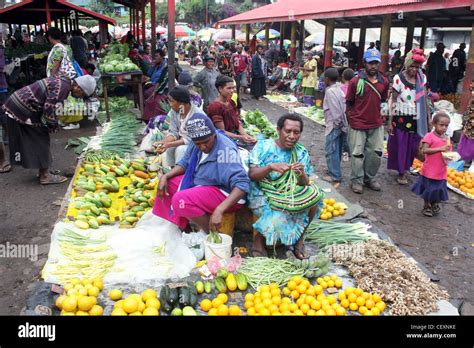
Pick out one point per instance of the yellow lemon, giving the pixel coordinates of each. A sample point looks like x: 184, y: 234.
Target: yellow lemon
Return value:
x: 324, y: 285
x: 304, y: 308
x: 150, y: 311
x: 331, y: 299
x: 141, y: 306
x: 247, y: 305
x: 362, y: 309
x: 273, y: 308
x: 340, y: 311
x: 358, y: 292
x: 264, y: 288
x: 284, y: 307
x: 276, y: 300
x: 119, y: 304
x: 249, y: 297
x: 88, y: 286
x: 223, y: 297
x: 286, y: 300
x: 137, y: 297
x: 376, y: 298
x: 118, y: 312
x: 352, y: 297
x: 345, y: 303
x: 293, y: 307
x: 222, y: 310
x: 330, y: 283
x: 235, y: 310
x: 86, y: 281
x: 206, y: 305
x: 366, y: 295
x: 380, y: 305
x: 98, y: 284
x: 353, y: 306
x: 316, y: 305
x: 264, y: 312
x: 330, y: 312
x: 348, y: 291
x: 286, y: 291
x: 212, y: 311
x: 148, y: 293
x: 251, y: 311
x: 115, y: 294
x: 360, y: 301
x: 68, y: 287
x: 311, y: 313
x: 93, y: 291
x: 338, y: 283
x: 368, y: 312
x: 153, y: 303
x: 69, y: 304
x: 320, y: 313
x: 318, y: 289
x: 96, y: 310
x: 78, y: 286
x: 59, y: 301
x: 369, y: 304
x: 135, y: 314
x: 75, y: 281
x: 85, y: 303
x: 64, y: 313
x: 375, y: 311
x: 309, y: 299
x: 82, y: 314
x: 267, y: 302
x: 216, y: 302
x: 130, y: 305
x: 71, y: 292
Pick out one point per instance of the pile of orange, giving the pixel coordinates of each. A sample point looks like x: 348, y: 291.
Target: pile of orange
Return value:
x: 332, y: 209
x: 463, y: 181
x: 356, y: 299
x: 218, y: 306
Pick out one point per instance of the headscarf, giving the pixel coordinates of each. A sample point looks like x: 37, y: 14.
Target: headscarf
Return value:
x: 415, y: 55
x: 87, y: 84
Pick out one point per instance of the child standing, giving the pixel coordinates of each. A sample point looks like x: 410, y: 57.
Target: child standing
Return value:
x: 334, y: 105
x: 431, y: 184
x: 347, y: 75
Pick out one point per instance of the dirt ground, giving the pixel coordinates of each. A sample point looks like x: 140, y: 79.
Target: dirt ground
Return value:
x: 443, y: 244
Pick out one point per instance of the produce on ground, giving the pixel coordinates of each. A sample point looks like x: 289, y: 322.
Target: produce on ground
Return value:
x: 218, y: 306
x: 183, y: 297
x: 258, y: 119
x: 313, y: 113
x: 332, y: 209
x: 326, y: 233
x: 264, y: 270
x: 417, y: 165
x: 80, y: 297
x: 380, y: 267
x: 145, y: 303
x: 84, y: 256
x: 79, y: 144
x: 120, y: 135
x: 462, y: 181
x: 365, y: 303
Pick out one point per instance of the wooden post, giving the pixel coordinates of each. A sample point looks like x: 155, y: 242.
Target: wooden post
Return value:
x: 351, y: 33
x: 130, y: 16
x: 328, y: 43
x: 385, y: 41
x: 153, y: 26
x: 143, y: 25
x: 302, y: 36
x: 247, y: 34
x: 410, y: 32
x: 103, y: 31
x: 468, y: 77
x: 363, y: 31
x: 293, y: 42
x: 137, y: 25
x: 267, y: 34
x: 282, y: 36
x: 77, y: 21
x: 423, y: 35
x: 171, y: 43
x: 233, y: 32
x: 48, y: 13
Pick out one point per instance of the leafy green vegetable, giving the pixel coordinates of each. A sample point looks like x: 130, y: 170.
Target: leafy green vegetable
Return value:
x: 258, y: 119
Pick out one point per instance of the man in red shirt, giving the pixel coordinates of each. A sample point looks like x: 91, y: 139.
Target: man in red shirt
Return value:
x: 241, y: 63
x: 364, y: 95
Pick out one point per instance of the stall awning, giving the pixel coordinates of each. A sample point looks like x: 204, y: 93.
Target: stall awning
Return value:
x: 285, y: 10
x: 34, y: 12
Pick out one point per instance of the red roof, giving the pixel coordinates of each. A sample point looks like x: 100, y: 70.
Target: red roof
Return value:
x: 289, y: 10
x: 33, y: 12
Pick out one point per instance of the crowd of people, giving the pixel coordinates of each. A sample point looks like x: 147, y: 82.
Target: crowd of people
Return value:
x: 204, y: 142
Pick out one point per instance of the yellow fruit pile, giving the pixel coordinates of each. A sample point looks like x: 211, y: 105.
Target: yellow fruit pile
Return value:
x: 356, y: 299
x: 218, y: 306
x: 463, y: 181
x: 331, y: 209
x: 332, y: 281
x: 80, y: 297
x: 135, y: 304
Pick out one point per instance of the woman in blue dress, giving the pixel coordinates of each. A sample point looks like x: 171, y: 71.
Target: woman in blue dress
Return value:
x: 269, y: 160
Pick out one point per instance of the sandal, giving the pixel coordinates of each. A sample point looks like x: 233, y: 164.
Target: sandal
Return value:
x: 427, y: 211
x: 5, y: 168
x: 53, y: 179
x: 402, y: 179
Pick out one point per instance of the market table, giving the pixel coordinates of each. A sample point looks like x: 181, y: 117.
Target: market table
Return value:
x: 133, y: 78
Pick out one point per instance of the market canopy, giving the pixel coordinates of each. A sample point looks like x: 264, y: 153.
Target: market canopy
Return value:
x: 273, y: 34
x: 35, y: 12
x: 346, y: 14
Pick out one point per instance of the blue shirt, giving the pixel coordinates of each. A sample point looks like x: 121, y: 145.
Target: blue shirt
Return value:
x: 222, y: 167
x: 155, y: 72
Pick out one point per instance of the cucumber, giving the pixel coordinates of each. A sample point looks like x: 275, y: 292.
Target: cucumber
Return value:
x: 193, y: 296
x: 164, y: 294
x: 208, y: 287
x: 184, y: 296
x: 166, y: 307
x: 200, y: 287
x: 220, y: 284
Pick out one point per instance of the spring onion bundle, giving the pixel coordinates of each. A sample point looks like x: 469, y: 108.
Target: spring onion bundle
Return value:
x: 120, y: 135
x: 326, y: 233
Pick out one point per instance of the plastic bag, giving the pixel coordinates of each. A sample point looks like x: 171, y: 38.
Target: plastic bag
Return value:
x: 458, y: 165
x: 195, y: 243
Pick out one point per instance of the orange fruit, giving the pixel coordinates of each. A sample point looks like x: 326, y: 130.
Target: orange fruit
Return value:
x: 273, y: 308
x: 284, y: 307
x: 301, y: 289
x: 249, y: 297
x: 234, y: 310
x: 267, y: 302
x: 352, y: 297
x: 362, y: 309
x: 295, y: 294
x: 353, y: 306
x: 275, y: 292
x: 316, y: 305
x: 206, y: 305
x: 381, y: 306
x: 340, y: 311
x: 292, y: 285
x: 360, y: 301
x: 264, y: 312
x: 286, y: 291
x: 276, y: 300
x: 216, y: 302
x: 345, y: 303
x: 247, y: 305
x: 222, y: 310
x: 369, y: 303
x: 212, y: 312
x: 304, y: 308
x: 293, y: 307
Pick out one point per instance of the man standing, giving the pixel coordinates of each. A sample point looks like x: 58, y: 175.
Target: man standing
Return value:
x: 206, y: 80
x: 364, y: 95
x: 457, y: 67
x: 435, y: 68
x: 240, y: 61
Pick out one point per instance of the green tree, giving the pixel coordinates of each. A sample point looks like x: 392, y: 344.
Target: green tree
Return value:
x: 102, y: 6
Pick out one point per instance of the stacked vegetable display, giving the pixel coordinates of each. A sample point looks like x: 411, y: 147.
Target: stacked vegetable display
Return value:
x: 116, y: 60
x: 332, y: 209
x: 259, y: 120
x: 80, y: 297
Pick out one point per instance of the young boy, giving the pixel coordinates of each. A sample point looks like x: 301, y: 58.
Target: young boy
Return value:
x: 336, y: 125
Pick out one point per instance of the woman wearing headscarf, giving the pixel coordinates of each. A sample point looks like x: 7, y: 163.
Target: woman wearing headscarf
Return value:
x: 409, y: 115
x: 208, y: 181
x: 32, y: 114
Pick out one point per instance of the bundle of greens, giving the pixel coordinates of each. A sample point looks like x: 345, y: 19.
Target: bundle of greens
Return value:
x: 119, y: 104
x: 258, y: 119
x: 120, y: 135
x: 116, y: 60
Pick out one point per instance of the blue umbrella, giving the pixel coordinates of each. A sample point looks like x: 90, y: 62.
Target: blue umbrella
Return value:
x: 272, y: 35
